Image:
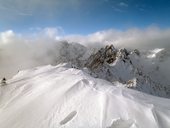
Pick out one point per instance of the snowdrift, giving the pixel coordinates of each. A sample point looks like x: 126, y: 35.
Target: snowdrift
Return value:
x: 65, y: 97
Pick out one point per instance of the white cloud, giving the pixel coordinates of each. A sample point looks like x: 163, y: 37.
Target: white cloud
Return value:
x: 6, y: 37
x: 25, y: 14
x: 148, y: 38
x: 118, y: 9
x: 18, y: 51
x: 48, y: 32
x: 53, y: 32
x: 122, y: 4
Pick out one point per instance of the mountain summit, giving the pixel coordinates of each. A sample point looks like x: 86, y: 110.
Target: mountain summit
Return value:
x: 129, y: 68
x: 109, y: 88
x: 61, y: 96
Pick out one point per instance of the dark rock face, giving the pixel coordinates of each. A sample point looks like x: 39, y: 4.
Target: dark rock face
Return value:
x: 3, y: 81
x: 104, y: 55
x: 127, y: 68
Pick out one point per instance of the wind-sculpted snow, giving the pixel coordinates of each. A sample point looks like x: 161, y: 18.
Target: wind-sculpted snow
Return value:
x: 145, y: 71
x: 61, y: 96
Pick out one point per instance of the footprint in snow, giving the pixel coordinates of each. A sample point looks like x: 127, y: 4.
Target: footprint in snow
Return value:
x: 68, y: 118
x: 120, y: 123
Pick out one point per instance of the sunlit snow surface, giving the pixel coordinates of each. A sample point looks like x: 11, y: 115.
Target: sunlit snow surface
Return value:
x: 63, y: 97
x: 154, y: 52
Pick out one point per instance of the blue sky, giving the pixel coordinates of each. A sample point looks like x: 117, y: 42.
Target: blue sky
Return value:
x: 83, y: 16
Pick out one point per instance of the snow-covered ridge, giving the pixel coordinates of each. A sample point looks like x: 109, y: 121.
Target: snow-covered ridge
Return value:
x: 101, y: 89
x: 124, y: 65
x: 131, y: 68
x: 61, y: 96
x: 140, y: 70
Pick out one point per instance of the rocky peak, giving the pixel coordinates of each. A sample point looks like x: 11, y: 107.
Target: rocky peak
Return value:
x: 123, y: 66
x: 104, y: 55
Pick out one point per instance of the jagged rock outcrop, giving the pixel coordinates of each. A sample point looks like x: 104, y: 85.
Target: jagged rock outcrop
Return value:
x: 104, y: 55
x: 127, y: 68
x: 3, y: 82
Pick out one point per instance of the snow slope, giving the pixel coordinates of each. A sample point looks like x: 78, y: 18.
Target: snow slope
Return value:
x: 131, y: 68
x: 146, y: 71
x: 64, y: 97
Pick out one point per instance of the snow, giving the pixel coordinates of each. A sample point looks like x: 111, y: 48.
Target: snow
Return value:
x: 64, y: 97
x: 153, y: 53
x: 130, y: 68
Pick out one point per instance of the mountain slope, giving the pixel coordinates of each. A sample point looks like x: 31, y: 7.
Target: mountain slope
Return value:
x: 131, y: 68
x: 61, y: 96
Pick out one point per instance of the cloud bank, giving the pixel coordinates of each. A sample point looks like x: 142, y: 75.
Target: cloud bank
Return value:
x: 44, y: 46
x: 148, y: 38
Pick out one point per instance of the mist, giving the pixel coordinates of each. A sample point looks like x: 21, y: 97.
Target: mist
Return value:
x: 143, y: 39
x: 48, y: 46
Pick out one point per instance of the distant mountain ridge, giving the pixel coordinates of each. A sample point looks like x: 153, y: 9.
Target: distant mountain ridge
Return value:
x: 127, y: 68
x: 139, y: 70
